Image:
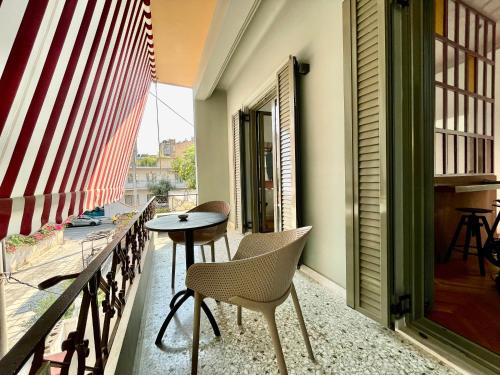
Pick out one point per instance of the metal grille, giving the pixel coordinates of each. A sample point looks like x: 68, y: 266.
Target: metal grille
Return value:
x: 464, y: 90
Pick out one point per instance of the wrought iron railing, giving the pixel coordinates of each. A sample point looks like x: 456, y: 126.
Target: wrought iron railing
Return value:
x: 176, y: 202
x: 110, y: 276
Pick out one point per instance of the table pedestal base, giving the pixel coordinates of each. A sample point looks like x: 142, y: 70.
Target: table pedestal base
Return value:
x: 177, y: 300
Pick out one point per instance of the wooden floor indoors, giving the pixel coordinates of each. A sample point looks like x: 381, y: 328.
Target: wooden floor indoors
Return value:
x: 466, y: 302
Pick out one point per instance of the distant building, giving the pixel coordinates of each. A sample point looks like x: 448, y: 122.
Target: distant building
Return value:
x: 147, y: 169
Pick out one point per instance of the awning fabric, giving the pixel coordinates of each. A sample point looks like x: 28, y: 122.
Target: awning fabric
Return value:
x: 74, y: 81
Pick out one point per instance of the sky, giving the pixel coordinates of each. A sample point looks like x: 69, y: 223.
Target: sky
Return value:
x: 171, y: 125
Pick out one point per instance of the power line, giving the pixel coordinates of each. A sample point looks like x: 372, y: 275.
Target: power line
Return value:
x: 173, y: 110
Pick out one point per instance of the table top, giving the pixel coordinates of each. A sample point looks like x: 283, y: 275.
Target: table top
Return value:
x: 195, y: 220
x: 477, y: 187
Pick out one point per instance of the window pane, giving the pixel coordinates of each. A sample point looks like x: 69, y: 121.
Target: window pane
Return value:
x: 481, y: 36
x: 480, y: 77
x: 438, y: 153
x: 461, y: 113
x: 470, y: 116
x: 480, y: 118
x: 461, y: 70
x: 491, y: 46
x: 439, y: 17
x: 487, y: 124
x: 450, y: 154
x: 472, y: 31
x: 490, y: 75
x: 439, y: 60
x: 480, y: 155
x: 461, y: 25
x: 450, y: 64
x: 487, y: 157
x: 461, y: 155
x: 470, y: 73
x: 439, y: 107
x: 451, y: 20
x: 450, y: 118
x: 471, y: 155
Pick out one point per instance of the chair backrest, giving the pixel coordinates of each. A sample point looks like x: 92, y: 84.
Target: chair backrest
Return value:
x: 213, y: 206
x: 274, y: 259
x: 215, y: 232
x: 218, y: 207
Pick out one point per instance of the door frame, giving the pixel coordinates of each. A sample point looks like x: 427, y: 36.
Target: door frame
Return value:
x: 260, y: 162
x: 412, y: 70
x: 251, y: 110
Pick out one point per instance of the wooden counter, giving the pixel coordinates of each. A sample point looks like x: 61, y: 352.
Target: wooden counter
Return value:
x: 451, y: 193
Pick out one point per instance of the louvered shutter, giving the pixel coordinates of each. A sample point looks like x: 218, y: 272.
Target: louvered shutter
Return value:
x: 368, y: 290
x: 286, y: 121
x: 238, y: 211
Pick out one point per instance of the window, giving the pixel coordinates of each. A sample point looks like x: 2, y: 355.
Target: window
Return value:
x: 130, y: 178
x: 465, y: 74
x: 129, y: 199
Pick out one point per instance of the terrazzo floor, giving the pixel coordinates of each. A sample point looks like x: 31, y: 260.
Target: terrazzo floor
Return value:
x: 344, y: 341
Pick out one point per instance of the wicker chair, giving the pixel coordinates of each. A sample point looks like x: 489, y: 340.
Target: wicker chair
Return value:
x: 204, y: 236
x: 258, y: 278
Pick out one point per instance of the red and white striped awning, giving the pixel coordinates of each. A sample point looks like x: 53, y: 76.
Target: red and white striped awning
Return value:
x: 74, y: 81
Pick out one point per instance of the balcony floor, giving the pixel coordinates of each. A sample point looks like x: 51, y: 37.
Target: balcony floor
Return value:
x: 344, y: 341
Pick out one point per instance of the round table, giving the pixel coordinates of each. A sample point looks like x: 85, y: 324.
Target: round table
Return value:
x: 172, y: 223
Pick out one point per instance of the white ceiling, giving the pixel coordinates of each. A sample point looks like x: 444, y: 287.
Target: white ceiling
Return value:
x: 490, y: 8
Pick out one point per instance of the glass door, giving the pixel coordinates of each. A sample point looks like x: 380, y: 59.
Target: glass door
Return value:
x: 265, y: 167
x: 445, y: 179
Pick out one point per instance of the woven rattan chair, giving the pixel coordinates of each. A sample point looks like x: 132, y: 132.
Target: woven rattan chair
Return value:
x: 204, y: 236
x: 258, y: 278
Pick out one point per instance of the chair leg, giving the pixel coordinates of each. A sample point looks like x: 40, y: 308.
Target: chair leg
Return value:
x: 238, y: 315
x: 203, y: 254
x: 172, y: 283
x: 227, y: 247
x: 303, y: 328
x: 455, y: 238
x: 273, y: 330
x: 480, y: 253
x: 468, y: 234
x: 196, y: 332
x: 212, y: 250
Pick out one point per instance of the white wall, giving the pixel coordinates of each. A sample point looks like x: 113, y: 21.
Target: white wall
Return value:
x: 312, y: 31
x: 212, y: 163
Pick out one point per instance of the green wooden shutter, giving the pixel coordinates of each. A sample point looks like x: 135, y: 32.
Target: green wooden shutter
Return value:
x: 286, y: 155
x: 237, y: 172
x: 366, y: 152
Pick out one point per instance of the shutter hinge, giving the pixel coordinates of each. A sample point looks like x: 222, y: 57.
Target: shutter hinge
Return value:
x: 403, y: 3
x: 303, y: 68
x: 402, y: 307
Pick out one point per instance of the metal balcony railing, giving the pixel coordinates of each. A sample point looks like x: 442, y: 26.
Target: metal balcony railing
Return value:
x: 110, y: 275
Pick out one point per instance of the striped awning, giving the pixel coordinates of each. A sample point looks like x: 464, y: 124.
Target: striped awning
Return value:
x: 74, y: 81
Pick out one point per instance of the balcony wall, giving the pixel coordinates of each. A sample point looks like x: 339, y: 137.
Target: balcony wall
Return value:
x: 313, y: 34
x: 211, y: 148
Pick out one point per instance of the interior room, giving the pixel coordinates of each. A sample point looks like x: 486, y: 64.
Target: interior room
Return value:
x: 257, y: 133
x: 465, y: 293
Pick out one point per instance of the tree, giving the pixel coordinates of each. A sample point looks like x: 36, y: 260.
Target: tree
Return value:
x: 147, y: 161
x: 185, y: 167
x: 161, y: 187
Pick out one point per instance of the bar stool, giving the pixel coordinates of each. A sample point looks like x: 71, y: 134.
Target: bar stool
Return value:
x: 472, y: 222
